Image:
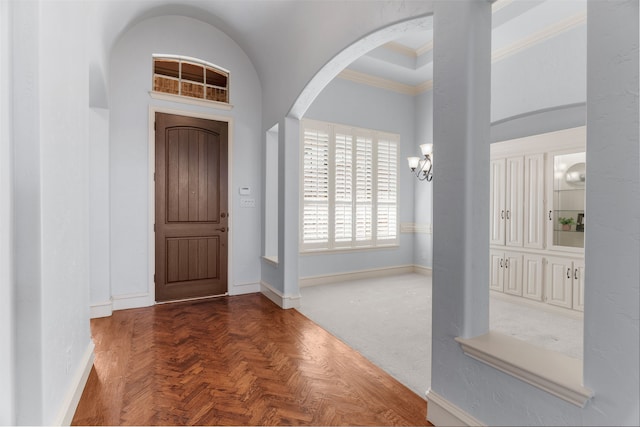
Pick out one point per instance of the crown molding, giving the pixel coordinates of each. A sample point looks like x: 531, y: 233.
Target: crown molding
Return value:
x: 499, y: 4
x: 407, y: 51
x: 542, y: 35
x: 379, y: 82
x: 400, y: 48
x: 424, y: 48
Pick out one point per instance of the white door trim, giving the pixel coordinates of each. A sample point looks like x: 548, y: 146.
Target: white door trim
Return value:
x: 151, y: 203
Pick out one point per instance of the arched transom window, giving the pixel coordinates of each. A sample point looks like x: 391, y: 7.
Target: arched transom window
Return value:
x: 190, y: 77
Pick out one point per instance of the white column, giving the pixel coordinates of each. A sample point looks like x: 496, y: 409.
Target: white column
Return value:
x: 291, y: 209
x: 462, y: 68
x: 612, y: 230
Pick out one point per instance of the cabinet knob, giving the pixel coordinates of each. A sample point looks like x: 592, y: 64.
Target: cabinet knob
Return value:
x: 568, y: 273
x: 550, y: 218
x: 508, y: 215
x: 506, y: 263
x: 575, y: 274
x: 502, y: 214
x: 500, y: 263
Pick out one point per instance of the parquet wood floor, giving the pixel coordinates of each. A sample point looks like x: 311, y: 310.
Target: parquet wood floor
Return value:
x: 234, y: 361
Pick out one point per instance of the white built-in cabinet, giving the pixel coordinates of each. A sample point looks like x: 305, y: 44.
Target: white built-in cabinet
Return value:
x: 534, y: 182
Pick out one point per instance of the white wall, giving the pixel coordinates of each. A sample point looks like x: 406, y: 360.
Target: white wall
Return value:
x: 27, y: 213
x: 129, y: 101
x: 50, y: 207
x: 7, y: 325
x: 423, y: 195
x: 64, y: 166
x: 548, y: 74
x: 99, y: 282
x: 364, y: 106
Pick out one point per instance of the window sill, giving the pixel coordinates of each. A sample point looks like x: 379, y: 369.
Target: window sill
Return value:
x: 547, y: 370
x: 191, y: 101
x: 347, y: 250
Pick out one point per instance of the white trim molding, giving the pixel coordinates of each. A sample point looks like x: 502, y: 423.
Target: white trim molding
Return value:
x: 326, y: 279
x: 547, y: 370
x: 382, y: 83
x: 441, y: 412
x: 425, y: 271
x: 540, y: 36
x: 283, y: 301
x: 72, y: 398
x: 190, y: 101
x: 124, y: 302
x: 102, y: 309
x: 412, y: 227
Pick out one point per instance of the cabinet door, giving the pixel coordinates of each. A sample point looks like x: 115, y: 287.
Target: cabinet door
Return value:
x: 532, y: 276
x: 558, y: 282
x: 513, y: 273
x: 497, y: 201
x: 534, y: 214
x: 578, y: 285
x: 496, y: 281
x: 514, y: 212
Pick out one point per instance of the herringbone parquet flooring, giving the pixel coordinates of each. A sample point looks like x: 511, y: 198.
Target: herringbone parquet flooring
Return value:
x: 234, y: 361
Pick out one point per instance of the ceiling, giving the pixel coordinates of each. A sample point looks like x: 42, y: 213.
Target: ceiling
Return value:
x: 406, y: 64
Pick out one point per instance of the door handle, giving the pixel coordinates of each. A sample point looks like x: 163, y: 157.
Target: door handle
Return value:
x: 506, y: 263
x: 500, y: 262
x: 550, y: 219
x: 508, y: 215
x: 223, y: 229
x: 575, y: 274
x: 568, y: 273
x: 502, y: 214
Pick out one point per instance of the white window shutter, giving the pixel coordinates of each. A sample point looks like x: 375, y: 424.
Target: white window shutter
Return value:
x: 387, y: 179
x: 364, y: 188
x: 343, y: 191
x: 315, y: 218
x: 349, y: 182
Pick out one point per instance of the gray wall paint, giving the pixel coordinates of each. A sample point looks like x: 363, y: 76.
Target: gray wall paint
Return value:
x: 536, y: 122
x: 423, y: 194
x: 549, y: 74
x: 359, y: 105
x: 130, y: 83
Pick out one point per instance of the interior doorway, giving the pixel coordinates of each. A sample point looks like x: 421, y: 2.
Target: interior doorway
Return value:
x: 191, y: 207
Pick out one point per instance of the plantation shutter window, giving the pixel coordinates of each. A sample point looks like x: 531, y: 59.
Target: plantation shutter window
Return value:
x: 348, y: 187
x: 387, y: 189
x: 315, y: 218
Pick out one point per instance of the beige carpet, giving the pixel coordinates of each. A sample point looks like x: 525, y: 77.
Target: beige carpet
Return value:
x: 388, y: 320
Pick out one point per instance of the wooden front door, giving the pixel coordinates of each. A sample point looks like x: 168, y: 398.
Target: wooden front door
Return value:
x: 191, y: 228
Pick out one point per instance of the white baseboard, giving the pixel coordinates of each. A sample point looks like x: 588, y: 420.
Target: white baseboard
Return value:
x: 441, y: 412
x: 124, y: 302
x: 245, y: 288
x: 103, y: 309
x: 71, y: 400
x: 283, y: 301
x: 425, y: 271
x: 355, y: 275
